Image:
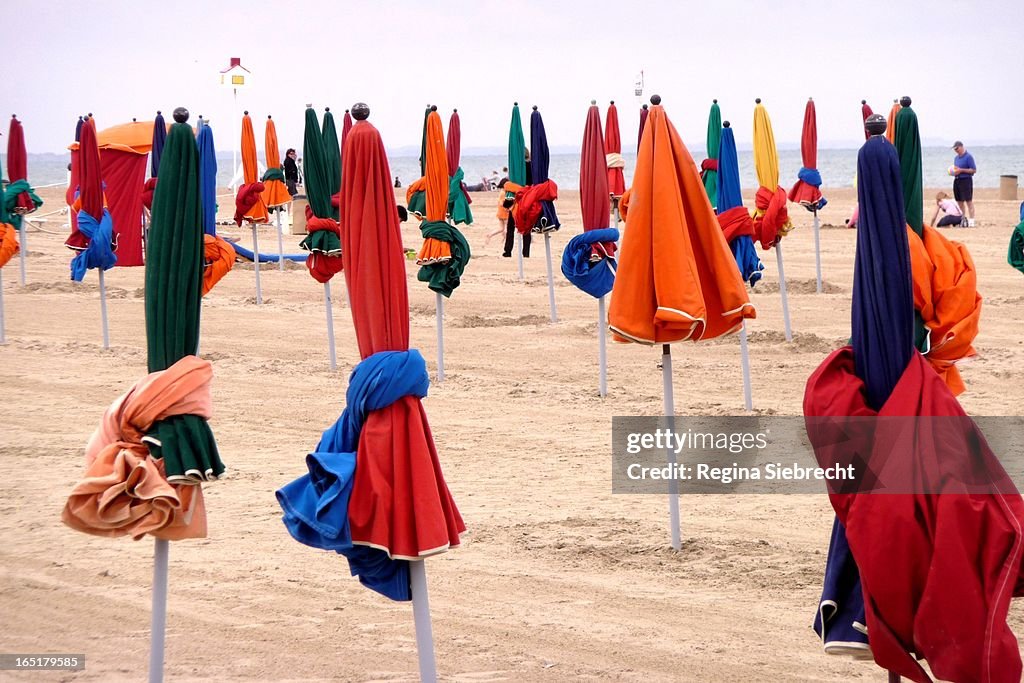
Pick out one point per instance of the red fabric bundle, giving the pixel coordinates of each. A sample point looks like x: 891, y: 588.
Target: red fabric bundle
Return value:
x: 527, y: 208
x: 772, y: 218
x: 708, y: 165
x: 248, y: 197
x: 147, y: 193
x: 736, y: 222
x: 322, y: 267
x: 938, y: 570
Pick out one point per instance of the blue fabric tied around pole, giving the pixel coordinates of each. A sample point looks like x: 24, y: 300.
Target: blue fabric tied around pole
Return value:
x: 596, y: 278
x: 729, y: 197
x: 316, y: 504
x: 99, y: 253
x: 746, y: 259
x: 809, y: 176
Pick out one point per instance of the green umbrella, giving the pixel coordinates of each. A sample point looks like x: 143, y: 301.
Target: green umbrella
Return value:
x: 332, y: 154
x: 444, y: 278
x: 516, y: 149
x: 1015, y: 255
x: 316, y: 165
x: 714, y: 143
x: 908, y: 147
x: 174, y: 281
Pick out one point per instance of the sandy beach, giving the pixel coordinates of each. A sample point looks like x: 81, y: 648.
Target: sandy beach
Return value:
x: 557, y: 578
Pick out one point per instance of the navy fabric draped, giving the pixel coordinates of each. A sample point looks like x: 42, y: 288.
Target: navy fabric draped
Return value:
x: 540, y: 159
x: 596, y: 278
x: 729, y: 197
x: 159, y: 137
x: 316, y: 504
x: 207, y: 178
x: 882, y: 337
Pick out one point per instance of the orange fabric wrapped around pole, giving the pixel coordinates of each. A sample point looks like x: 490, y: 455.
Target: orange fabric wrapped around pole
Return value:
x: 8, y: 243
x: 218, y: 259
x: 677, y: 278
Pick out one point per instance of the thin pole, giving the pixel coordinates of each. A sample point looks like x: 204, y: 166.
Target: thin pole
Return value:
x: 3, y: 328
x: 551, y: 278
x: 817, y: 250
x: 748, y: 394
x: 234, y: 147
x: 602, y: 349
x: 158, y: 626
x: 329, y: 309
x: 103, y: 309
x: 670, y: 412
x: 256, y: 264
x: 894, y: 677
x: 22, y: 250
x: 280, y: 241
x: 439, y: 314
x: 421, y: 617
x: 519, y: 253
x: 782, y: 291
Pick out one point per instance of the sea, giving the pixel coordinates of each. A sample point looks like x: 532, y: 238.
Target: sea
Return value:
x: 837, y: 167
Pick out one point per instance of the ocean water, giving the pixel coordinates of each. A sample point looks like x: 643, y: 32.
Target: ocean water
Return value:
x: 837, y: 167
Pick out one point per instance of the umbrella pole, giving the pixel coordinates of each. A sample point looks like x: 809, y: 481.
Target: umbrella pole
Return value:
x: 158, y: 625
x: 894, y: 677
x: 519, y: 253
x: 551, y: 278
x: 329, y: 309
x: 748, y: 394
x: 280, y: 241
x: 3, y: 329
x: 256, y: 264
x: 103, y: 309
x: 22, y: 250
x: 602, y: 349
x: 421, y: 617
x: 817, y: 249
x: 782, y: 291
x: 670, y: 412
x: 439, y: 314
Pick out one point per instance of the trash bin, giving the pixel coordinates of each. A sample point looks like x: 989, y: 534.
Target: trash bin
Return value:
x: 1008, y: 187
x: 298, y: 210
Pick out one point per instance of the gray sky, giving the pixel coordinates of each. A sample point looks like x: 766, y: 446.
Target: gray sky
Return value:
x: 960, y: 61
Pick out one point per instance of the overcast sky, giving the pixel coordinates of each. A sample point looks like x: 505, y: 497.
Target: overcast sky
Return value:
x: 961, y: 61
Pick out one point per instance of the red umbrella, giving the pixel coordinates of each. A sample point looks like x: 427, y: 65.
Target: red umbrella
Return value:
x: 453, y: 146
x: 643, y: 120
x: 806, y: 191
x: 90, y: 181
x: 865, y: 112
x: 346, y: 127
x: 17, y: 163
x: 613, y: 150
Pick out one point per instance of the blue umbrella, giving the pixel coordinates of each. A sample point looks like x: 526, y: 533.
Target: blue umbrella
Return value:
x: 730, y: 197
x: 159, y: 135
x: 540, y: 159
x: 207, y: 177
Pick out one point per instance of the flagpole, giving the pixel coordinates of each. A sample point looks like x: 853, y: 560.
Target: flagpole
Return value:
x: 439, y: 314
x: 748, y: 395
x: 670, y: 412
x: 103, y: 309
x: 551, y: 278
x: 256, y: 263
x: 158, y: 625
x: 602, y: 349
x: 421, y: 618
x: 817, y: 249
x: 329, y: 309
x: 782, y: 291
x: 280, y: 240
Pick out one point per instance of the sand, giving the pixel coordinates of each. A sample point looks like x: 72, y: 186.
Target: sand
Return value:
x: 557, y: 579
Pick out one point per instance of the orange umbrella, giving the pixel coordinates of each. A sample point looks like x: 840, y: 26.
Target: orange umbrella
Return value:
x: 256, y: 211
x: 890, y: 132
x: 436, y: 181
x: 677, y: 279
x: 275, y: 193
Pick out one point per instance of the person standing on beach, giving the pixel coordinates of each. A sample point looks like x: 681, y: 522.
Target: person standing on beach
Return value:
x: 963, y: 181
x: 291, y: 172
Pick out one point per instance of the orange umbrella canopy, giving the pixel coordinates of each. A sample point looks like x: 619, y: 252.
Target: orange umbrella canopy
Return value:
x: 677, y: 278
x: 275, y: 193
x: 257, y: 213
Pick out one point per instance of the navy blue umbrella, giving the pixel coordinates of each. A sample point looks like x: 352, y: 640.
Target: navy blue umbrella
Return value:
x: 159, y: 135
x: 207, y: 177
x: 730, y: 209
x: 540, y: 159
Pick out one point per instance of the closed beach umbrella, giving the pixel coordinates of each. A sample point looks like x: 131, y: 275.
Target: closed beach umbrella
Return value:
x: 458, y: 196
x: 1015, y: 255
x: 375, y: 491
x: 656, y: 299
x: 908, y: 147
x: 540, y: 161
x: 17, y: 171
x: 933, y: 569
x: 613, y: 152
x: 516, y: 149
x: 332, y: 153
x: 517, y: 180
x: 806, y: 190
x: 218, y: 254
x: 890, y: 132
x: 737, y: 225
x: 157, y: 151
x: 865, y: 112
x: 346, y: 128
x: 643, y: 122
x: 249, y: 203
x: 275, y: 193
x: 709, y: 167
x: 323, y: 241
x: 94, y: 221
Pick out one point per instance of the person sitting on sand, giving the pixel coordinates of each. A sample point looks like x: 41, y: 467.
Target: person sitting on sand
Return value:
x: 952, y: 214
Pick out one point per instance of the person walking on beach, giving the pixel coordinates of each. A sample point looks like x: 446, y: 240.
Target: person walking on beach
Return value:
x: 952, y: 215
x: 291, y: 172
x: 963, y: 181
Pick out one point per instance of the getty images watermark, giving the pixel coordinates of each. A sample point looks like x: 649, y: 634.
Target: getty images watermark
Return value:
x: 752, y: 454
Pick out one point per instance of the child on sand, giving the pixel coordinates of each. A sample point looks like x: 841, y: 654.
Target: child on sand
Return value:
x: 952, y: 214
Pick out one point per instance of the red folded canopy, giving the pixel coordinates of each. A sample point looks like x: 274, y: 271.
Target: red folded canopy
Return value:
x: 613, y: 145
x: 17, y: 161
